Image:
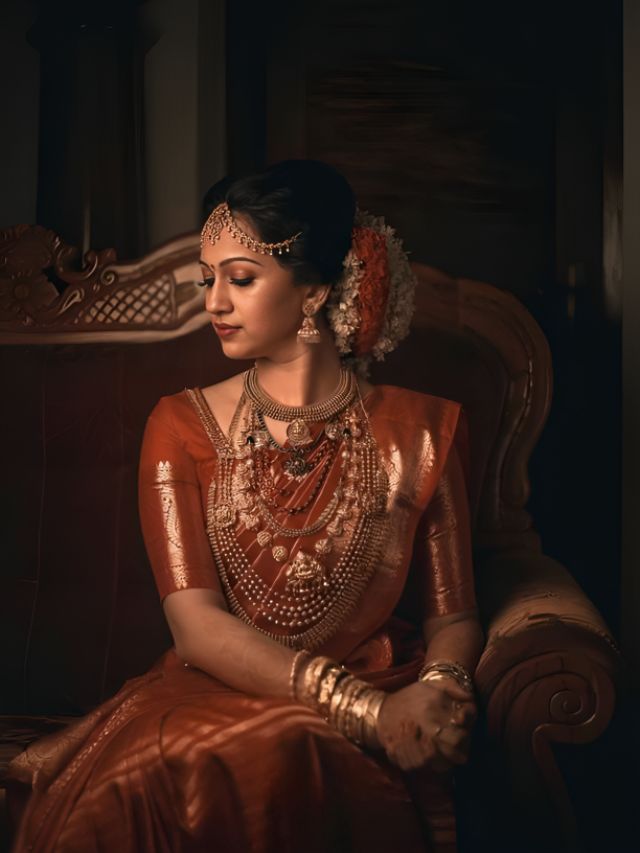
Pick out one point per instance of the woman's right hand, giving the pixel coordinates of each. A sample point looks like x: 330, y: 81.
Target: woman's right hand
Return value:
x: 427, y: 724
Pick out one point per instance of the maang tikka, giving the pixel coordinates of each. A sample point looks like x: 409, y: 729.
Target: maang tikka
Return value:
x: 221, y: 217
x: 308, y: 333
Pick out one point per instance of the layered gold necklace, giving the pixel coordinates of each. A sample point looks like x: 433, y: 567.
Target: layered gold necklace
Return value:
x: 321, y: 567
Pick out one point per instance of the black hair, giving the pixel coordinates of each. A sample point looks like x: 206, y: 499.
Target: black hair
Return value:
x: 296, y: 195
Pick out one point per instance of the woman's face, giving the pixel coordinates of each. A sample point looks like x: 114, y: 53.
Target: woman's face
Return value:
x: 255, y: 308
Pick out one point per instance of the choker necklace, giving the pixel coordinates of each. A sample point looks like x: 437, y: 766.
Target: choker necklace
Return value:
x: 298, y: 431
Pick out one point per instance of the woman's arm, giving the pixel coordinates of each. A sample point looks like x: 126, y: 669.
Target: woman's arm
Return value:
x: 457, y: 637
x: 430, y: 722
x: 207, y: 636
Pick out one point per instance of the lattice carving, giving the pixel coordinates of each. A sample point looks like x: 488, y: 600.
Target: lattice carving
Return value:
x: 48, y: 293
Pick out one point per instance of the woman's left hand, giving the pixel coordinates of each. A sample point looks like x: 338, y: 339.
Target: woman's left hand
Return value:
x: 427, y: 723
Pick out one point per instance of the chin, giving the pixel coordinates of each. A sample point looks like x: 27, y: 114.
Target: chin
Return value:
x: 239, y: 350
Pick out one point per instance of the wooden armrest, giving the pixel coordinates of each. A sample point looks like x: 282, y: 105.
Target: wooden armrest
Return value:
x: 548, y: 675
x: 531, y: 605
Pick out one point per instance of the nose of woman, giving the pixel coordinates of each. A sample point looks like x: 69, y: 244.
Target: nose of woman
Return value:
x: 217, y: 299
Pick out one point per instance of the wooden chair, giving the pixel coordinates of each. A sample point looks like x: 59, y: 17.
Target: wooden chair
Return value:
x: 88, y: 345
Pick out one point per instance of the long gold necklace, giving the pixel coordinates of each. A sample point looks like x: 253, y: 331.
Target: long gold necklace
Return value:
x: 310, y: 598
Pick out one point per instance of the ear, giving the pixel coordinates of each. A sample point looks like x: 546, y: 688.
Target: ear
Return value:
x: 317, y: 294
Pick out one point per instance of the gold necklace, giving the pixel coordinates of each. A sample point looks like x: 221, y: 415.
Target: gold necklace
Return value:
x: 311, y: 599
x: 297, y: 417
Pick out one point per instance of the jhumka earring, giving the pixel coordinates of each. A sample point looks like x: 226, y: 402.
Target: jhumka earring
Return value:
x: 308, y: 333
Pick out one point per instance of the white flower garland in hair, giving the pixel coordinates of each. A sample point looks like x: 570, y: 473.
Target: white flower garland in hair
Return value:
x: 342, y: 307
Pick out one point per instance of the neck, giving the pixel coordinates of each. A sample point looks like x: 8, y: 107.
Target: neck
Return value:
x: 310, y: 376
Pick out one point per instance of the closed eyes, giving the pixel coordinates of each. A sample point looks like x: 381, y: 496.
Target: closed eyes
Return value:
x: 209, y: 281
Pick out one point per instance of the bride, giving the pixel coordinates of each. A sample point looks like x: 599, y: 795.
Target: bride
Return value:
x: 309, y: 536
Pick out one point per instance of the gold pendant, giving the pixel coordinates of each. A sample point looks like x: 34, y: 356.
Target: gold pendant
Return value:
x: 224, y: 515
x: 305, y: 575
x: 298, y: 433
x: 296, y: 465
x: 280, y: 553
x: 264, y: 538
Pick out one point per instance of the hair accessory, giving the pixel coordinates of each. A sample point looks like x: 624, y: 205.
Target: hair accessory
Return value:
x: 308, y: 333
x: 221, y: 217
x: 371, y: 306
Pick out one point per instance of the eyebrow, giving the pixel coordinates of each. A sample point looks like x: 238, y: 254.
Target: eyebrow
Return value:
x: 229, y: 260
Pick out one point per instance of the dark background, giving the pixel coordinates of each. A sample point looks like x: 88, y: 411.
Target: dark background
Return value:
x: 489, y: 134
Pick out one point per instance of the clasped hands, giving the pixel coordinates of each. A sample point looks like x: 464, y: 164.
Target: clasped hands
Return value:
x: 427, y: 723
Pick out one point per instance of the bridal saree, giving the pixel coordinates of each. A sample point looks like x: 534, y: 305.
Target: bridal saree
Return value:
x: 179, y: 761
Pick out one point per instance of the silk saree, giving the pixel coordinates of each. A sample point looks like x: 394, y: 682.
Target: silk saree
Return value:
x: 179, y: 761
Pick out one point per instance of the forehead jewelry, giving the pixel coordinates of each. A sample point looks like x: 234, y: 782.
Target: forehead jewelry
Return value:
x: 221, y: 217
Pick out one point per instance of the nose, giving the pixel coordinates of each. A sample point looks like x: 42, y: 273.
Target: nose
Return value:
x: 218, y: 299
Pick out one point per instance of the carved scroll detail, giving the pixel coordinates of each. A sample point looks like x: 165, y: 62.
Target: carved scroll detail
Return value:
x: 49, y: 293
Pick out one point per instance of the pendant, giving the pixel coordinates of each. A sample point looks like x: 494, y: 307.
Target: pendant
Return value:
x: 296, y: 465
x: 305, y: 575
x: 279, y: 553
x: 264, y: 538
x: 324, y: 546
x: 298, y: 433
x: 224, y: 515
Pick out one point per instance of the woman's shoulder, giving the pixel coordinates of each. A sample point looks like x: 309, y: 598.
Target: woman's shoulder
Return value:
x: 181, y: 402
x: 401, y: 404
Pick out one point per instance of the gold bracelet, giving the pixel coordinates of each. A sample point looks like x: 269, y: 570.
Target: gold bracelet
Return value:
x: 311, y: 682
x: 328, y: 685
x: 370, y: 729
x: 349, y: 704
x: 298, y: 659
x: 355, y: 711
x: 336, y: 700
x: 449, y: 668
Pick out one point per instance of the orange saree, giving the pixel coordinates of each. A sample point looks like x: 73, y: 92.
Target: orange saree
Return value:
x: 177, y: 760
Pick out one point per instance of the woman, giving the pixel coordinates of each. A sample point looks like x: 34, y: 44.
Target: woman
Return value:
x: 309, y: 536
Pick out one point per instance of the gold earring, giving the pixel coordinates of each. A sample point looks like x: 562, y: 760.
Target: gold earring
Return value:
x: 308, y: 333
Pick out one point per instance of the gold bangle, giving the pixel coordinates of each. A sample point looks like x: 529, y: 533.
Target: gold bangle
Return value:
x: 298, y: 659
x: 327, y: 685
x: 370, y: 718
x: 450, y: 668
x: 359, y: 709
x: 313, y: 674
x: 351, y: 712
x: 336, y: 698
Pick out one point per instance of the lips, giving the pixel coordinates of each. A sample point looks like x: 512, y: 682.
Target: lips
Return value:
x: 224, y: 330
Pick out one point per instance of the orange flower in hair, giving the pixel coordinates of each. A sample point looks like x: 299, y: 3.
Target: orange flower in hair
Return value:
x: 373, y: 293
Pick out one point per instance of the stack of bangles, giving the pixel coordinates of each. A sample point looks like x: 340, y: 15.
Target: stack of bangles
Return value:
x: 440, y: 669
x: 347, y: 703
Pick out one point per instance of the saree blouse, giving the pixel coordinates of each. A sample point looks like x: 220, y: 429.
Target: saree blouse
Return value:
x: 422, y: 445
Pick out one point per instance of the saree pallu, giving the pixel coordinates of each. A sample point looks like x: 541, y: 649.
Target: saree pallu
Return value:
x: 179, y: 761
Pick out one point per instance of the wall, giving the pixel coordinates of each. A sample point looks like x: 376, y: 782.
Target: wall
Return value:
x: 184, y: 94
x: 19, y: 71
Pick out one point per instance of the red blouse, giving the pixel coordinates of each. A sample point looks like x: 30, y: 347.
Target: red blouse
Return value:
x: 423, y: 446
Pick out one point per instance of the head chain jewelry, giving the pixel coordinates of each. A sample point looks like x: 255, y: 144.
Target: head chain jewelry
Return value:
x: 221, y: 217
